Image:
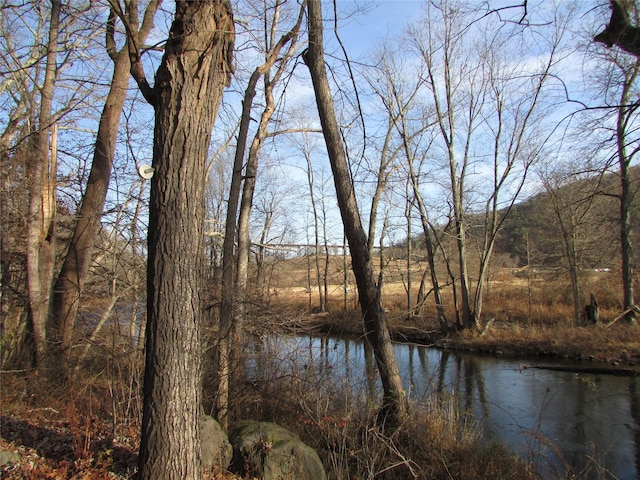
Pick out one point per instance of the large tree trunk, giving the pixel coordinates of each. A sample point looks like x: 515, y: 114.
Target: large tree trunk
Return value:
x: 375, y: 323
x: 189, y: 83
x: 68, y: 287
x: 41, y: 169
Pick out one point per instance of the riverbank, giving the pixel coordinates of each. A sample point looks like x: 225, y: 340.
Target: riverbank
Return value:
x: 594, y: 348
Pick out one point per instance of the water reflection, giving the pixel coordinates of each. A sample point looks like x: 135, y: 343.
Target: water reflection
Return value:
x: 552, y: 417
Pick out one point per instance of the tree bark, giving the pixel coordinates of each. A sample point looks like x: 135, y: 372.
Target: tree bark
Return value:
x: 69, y: 284
x: 41, y: 169
x: 375, y: 324
x: 188, y: 88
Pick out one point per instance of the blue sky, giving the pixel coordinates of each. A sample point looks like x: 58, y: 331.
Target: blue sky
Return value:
x: 377, y: 21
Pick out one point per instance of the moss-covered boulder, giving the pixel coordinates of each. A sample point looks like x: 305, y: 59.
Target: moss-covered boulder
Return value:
x: 271, y: 452
x: 7, y: 457
x: 216, y: 449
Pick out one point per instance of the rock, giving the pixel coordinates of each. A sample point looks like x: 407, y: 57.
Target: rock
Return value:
x: 216, y: 449
x: 271, y: 452
x: 7, y: 457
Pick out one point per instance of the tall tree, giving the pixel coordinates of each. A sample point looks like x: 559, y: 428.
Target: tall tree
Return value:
x: 195, y: 67
x: 39, y: 98
x: 41, y: 170
x: 400, y: 100
x: 234, y: 284
x: 625, y: 154
x: 624, y: 72
x: 70, y: 281
x: 375, y: 323
x: 488, y: 116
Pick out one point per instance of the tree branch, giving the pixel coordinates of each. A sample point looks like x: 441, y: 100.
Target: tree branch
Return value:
x: 130, y: 22
x: 619, y: 31
x: 110, y: 41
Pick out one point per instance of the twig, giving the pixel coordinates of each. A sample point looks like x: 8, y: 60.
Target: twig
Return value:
x: 631, y: 309
x: 486, y: 327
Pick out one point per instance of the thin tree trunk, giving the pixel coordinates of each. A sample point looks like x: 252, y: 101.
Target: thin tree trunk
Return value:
x: 431, y: 260
x: 228, y: 304
x: 382, y: 265
x: 41, y: 169
x: 325, y: 269
x: 316, y: 229
x: 246, y: 204
x: 375, y: 324
x: 407, y: 213
x: 69, y: 284
x: 345, y: 275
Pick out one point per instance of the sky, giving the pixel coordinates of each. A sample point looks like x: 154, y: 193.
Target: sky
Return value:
x: 376, y: 22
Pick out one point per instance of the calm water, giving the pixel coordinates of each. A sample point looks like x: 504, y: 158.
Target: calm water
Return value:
x: 556, y: 418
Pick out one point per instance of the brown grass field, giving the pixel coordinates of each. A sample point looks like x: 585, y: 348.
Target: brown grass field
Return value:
x: 530, y: 313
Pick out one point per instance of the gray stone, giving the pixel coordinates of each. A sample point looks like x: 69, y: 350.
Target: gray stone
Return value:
x: 272, y: 452
x: 216, y: 449
x: 7, y: 457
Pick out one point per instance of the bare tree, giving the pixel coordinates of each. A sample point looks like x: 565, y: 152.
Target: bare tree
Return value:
x: 189, y: 82
x: 317, y: 183
x: 69, y: 284
x: 41, y: 170
x: 571, y: 200
x: 619, y: 87
x: 375, y: 324
x: 625, y: 152
x: 401, y: 102
x: 38, y: 97
x: 234, y: 280
x: 488, y: 114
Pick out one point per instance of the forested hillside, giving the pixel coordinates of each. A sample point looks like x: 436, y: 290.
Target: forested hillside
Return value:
x: 585, y: 211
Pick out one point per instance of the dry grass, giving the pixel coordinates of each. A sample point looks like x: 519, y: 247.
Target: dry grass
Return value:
x: 616, y: 346
x: 81, y: 431
x: 436, y: 441
x: 533, y: 312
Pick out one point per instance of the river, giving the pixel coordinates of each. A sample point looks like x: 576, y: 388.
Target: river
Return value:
x: 553, y: 418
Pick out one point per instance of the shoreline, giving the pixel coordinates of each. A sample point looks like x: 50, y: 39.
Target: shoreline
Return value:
x: 597, y: 358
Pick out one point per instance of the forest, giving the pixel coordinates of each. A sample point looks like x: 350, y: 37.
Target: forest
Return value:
x: 179, y: 179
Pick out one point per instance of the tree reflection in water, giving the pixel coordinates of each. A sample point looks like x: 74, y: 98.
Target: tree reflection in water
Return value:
x: 554, y: 418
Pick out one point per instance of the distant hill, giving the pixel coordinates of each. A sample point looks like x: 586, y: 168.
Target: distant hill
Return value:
x: 586, y: 212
